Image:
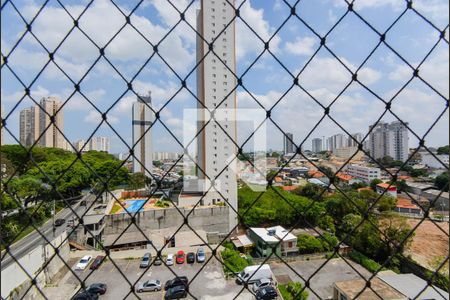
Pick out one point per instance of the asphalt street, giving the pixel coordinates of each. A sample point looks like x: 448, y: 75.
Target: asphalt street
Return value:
x: 26, y: 244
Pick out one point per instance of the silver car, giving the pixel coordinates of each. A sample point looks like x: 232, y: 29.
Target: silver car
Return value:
x: 149, y: 286
x: 262, y: 283
x: 145, y: 260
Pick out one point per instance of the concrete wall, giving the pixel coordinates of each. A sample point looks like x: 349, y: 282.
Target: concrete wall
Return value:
x: 210, y: 219
x: 15, y: 281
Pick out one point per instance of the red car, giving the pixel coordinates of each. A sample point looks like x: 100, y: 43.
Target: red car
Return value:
x: 180, y: 257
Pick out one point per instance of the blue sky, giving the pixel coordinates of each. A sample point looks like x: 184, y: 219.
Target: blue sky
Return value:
x: 324, y: 77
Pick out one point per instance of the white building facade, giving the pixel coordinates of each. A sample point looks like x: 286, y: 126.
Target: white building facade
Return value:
x: 316, y: 145
x: 29, y: 125
x: 99, y: 143
x: 366, y: 174
x: 389, y: 140
x: 143, y: 118
x: 215, y: 90
x: 51, y: 132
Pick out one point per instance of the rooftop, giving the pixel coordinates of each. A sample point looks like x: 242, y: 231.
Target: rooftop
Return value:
x: 406, y: 203
x: 280, y: 234
x: 378, y: 288
x: 289, y: 187
x: 242, y: 241
x: 411, y: 286
x: 386, y: 186
x: 344, y: 177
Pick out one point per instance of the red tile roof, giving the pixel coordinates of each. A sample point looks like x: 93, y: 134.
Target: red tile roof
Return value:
x: 406, y: 203
x: 289, y: 187
x: 386, y: 186
x: 344, y: 177
x: 315, y: 174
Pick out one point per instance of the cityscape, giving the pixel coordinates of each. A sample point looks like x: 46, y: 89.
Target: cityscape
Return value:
x: 213, y: 151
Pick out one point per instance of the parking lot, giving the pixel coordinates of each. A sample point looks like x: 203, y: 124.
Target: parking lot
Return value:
x: 321, y: 282
x: 209, y: 284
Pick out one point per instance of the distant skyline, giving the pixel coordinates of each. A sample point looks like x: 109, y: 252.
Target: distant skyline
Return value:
x: 356, y: 109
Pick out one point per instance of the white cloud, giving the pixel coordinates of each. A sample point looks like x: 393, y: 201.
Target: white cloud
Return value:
x: 95, y: 117
x: 101, y: 22
x: 434, y: 70
x: 79, y: 103
x: 160, y: 95
x: 329, y: 73
x: 301, y: 46
x: 246, y: 41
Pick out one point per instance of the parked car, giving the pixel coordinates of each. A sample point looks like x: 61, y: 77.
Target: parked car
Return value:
x: 190, y: 258
x: 145, y: 260
x: 180, y: 280
x: 201, y: 256
x: 180, y: 257
x: 262, y: 283
x: 157, y: 261
x: 97, y: 288
x: 267, y: 293
x: 176, y: 292
x: 169, y: 260
x: 84, y: 295
x: 59, y: 222
x: 252, y: 274
x: 84, y: 262
x: 149, y: 286
x: 97, y: 262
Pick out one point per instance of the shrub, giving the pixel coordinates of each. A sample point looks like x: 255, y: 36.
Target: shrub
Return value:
x: 291, y: 291
x: 233, y: 262
x: 364, y: 261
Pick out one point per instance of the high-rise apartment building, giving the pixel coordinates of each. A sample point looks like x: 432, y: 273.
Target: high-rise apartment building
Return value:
x: 99, y: 143
x: 316, y: 145
x: 143, y: 118
x: 78, y: 145
x: 51, y: 132
x: 354, y: 139
x: 389, y: 140
x: 29, y: 126
x: 336, y: 141
x: 215, y: 85
x: 288, y: 143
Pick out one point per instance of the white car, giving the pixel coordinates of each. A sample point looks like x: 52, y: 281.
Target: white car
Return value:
x: 84, y: 262
x: 169, y: 260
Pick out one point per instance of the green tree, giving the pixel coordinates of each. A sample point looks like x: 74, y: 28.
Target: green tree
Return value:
x: 443, y: 150
x: 308, y: 244
x: 293, y: 291
x: 442, y: 182
x: 386, y: 161
x: 326, y: 170
x: 137, y: 181
x: 329, y: 241
x: 396, y: 231
x: 374, y: 182
x: 25, y: 187
x: 327, y: 223
x: 402, y: 186
x: 157, y: 163
x: 418, y: 172
x: 358, y: 185
x: 311, y: 191
x: 233, y: 262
